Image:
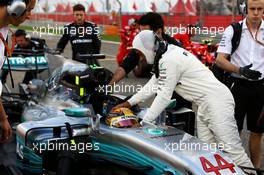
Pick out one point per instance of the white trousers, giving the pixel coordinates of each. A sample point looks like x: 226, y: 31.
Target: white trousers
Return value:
x: 216, y: 124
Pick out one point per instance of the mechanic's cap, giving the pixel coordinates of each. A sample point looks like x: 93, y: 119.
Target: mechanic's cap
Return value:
x: 145, y: 43
x: 122, y: 118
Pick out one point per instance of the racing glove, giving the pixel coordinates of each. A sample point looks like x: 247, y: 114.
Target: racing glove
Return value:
x: 248, y: 73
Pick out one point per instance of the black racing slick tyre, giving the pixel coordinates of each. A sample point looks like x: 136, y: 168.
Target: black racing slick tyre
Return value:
x: 66, y: 163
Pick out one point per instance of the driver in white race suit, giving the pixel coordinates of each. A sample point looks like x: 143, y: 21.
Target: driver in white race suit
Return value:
x: 179, y: 70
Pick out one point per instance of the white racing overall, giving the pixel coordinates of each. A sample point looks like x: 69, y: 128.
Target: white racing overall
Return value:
x: 183, y: 72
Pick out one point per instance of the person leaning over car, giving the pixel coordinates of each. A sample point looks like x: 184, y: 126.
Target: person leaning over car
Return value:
x: 151, y: 21
x: 83, y: 35
x: 179, y: 70
x: 11, y: 12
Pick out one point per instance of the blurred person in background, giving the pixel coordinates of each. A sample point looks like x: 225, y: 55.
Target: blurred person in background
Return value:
x: 127, y: 35
x: 185, y: 37
x: 26, y: 47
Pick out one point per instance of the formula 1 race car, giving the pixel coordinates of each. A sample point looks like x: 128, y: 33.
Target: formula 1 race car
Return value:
x: 64, y: 131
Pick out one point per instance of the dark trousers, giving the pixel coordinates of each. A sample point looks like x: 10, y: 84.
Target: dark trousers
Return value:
x: 249, y: 101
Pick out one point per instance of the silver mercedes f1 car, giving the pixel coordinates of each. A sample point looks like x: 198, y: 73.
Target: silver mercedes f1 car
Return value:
x: 64, y: 131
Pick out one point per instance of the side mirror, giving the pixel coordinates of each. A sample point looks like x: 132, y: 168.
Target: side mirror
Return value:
x: 85, y: 112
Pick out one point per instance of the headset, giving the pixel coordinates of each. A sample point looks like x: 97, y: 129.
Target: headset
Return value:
x: 242, y: 5
x: 16, y: 8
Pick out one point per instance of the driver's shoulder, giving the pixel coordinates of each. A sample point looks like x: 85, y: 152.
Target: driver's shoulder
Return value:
x: 175, y: 55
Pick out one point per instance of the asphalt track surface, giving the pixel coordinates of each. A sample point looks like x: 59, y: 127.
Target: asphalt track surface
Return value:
x: 110, y: 49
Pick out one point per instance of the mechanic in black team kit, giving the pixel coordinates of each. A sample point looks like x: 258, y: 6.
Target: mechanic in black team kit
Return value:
x: 83, y: 35
x: 26, y: 47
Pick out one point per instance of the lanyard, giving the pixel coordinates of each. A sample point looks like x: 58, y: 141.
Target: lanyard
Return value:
x: 9, y: 50
x: 256, y: 36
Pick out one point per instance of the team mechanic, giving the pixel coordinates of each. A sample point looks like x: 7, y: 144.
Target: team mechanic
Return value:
x: 26, y: 46
x: 12, y: 12
x: 247, y: 73
x: 83, y: 35
x: 179, y: 70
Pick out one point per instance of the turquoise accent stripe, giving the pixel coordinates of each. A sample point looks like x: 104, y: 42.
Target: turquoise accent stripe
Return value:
x: 129, y: 156
x: 31, y: 162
